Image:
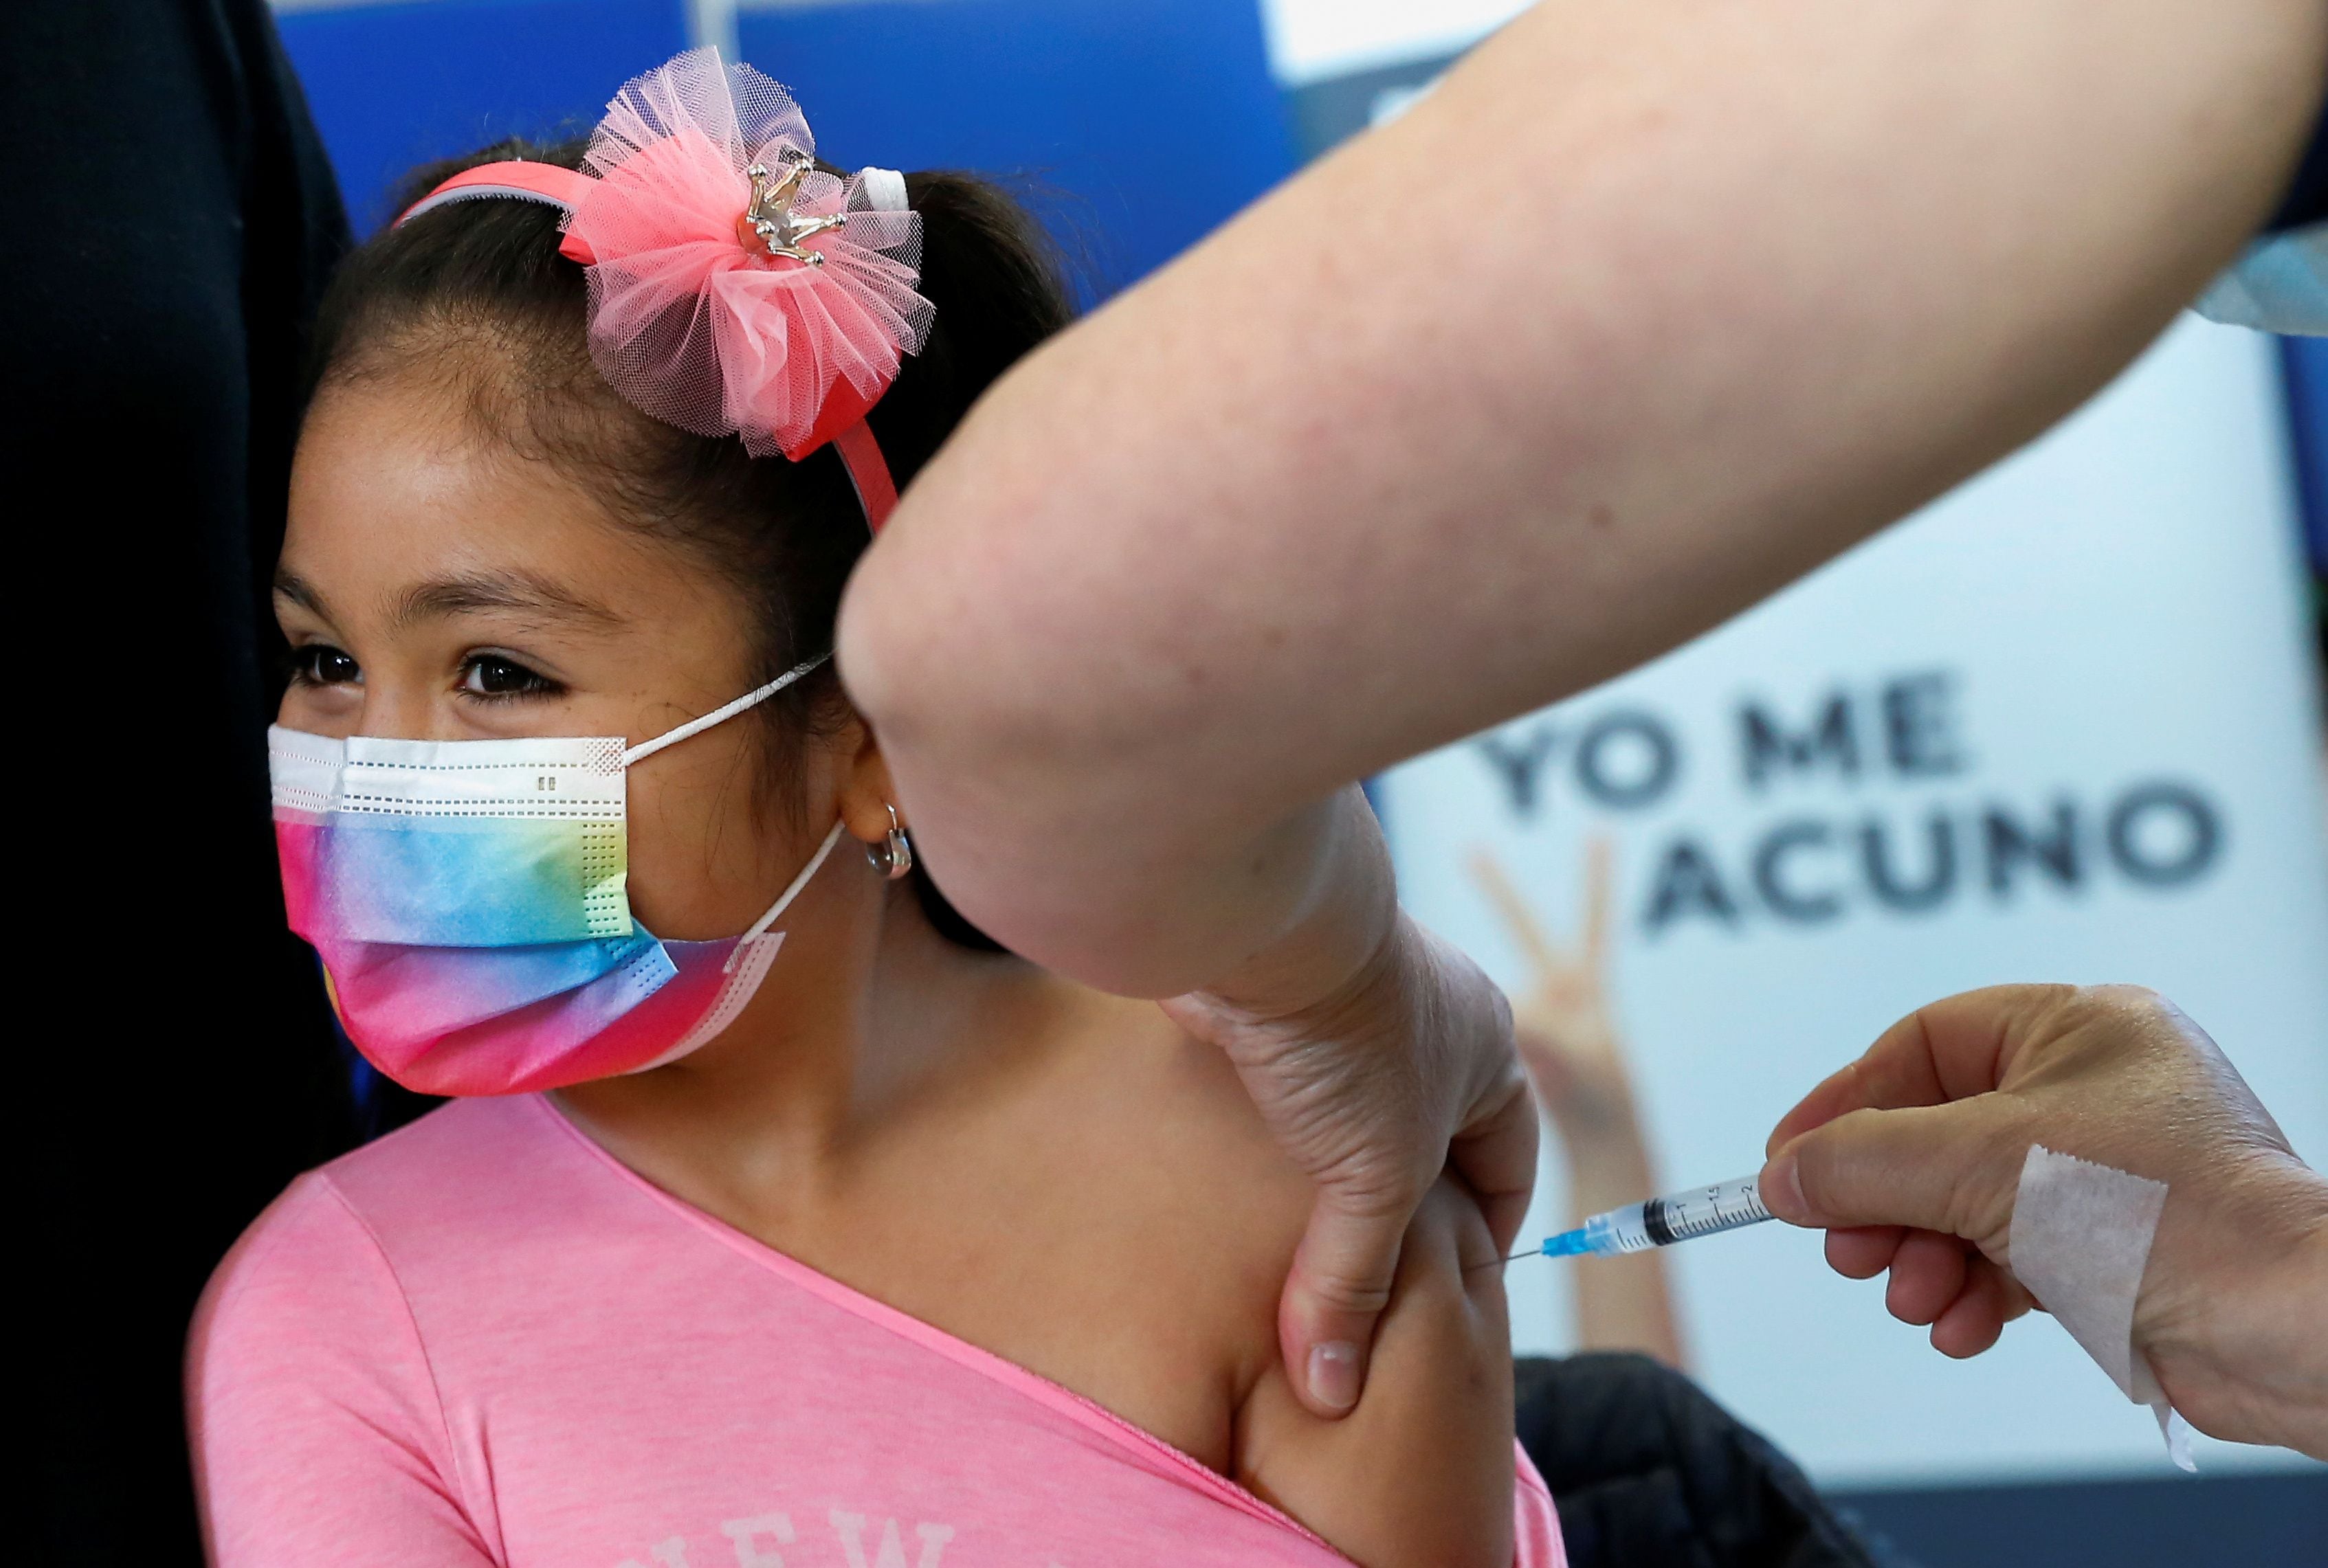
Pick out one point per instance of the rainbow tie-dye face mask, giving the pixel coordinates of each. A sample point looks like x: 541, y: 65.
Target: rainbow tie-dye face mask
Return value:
x: 468, y: 899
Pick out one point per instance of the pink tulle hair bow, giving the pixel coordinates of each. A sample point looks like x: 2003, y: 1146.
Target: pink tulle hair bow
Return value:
x: 734, y: 288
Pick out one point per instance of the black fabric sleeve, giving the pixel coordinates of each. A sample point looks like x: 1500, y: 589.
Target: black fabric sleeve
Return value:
x: 297, y: 231
x: 170, y: 220
x: 1648, y: 1473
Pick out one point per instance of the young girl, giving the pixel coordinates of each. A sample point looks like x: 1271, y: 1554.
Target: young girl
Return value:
x: 848, y: 1240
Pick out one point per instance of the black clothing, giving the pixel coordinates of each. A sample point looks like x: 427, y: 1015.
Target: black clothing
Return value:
x: 170, y: 219
x: 1648, y: 1473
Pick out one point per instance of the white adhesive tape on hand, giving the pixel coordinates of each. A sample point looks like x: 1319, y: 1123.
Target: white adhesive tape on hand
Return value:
x: 2081, y: 1236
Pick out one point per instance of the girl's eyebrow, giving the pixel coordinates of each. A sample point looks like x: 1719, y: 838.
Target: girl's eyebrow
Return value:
x: 443, y: 596
x: 301, y: 592
x: 520, y: 590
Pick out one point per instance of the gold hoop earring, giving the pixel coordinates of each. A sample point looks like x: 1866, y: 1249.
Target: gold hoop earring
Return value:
x: 893, y: 857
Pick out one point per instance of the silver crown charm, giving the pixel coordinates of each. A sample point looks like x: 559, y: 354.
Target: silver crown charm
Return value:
x: 769, y: 225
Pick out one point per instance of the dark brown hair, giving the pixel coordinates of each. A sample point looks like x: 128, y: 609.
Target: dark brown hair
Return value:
x: 475, y: 296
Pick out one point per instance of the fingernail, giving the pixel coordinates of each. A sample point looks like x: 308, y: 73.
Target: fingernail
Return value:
x: 1334, y: 1373
x: 1782, y: 1189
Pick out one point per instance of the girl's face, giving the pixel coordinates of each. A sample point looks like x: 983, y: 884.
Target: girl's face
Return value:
x: 437, y: 586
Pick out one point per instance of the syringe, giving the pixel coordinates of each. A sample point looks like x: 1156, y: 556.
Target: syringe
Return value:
x: 1662, y: 1221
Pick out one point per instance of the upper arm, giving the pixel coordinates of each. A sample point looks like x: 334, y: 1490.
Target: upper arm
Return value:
x: 315, y: 1429
x: 1761, y: 279
x: 1421, y: 1471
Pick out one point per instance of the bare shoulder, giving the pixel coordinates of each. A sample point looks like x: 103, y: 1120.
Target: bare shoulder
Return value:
x: 1422, y: 1473
x: 1140, y: 1144
x: 1217, y: 1198
x: 1197, y: 1213
x: 1177, y: 1097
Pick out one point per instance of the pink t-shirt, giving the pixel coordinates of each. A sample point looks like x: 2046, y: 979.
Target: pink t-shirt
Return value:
x: 483, y: 1340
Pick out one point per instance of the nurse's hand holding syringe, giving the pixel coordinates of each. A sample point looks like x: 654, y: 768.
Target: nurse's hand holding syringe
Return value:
x: 1910, y: 1159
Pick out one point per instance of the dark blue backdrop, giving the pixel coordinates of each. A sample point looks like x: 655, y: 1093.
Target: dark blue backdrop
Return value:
x: 1137, y: 125
x: 396, y: 85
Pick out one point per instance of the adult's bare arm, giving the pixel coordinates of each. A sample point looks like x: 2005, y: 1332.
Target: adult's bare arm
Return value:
x: 1649, y: 309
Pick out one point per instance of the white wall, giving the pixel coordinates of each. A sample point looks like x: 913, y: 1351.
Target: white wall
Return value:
x: 1309, y: 39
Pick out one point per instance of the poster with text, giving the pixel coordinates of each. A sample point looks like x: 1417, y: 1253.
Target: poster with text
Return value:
x: 2062, y: 726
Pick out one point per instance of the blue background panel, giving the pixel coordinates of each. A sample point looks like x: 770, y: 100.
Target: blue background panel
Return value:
x: 1134, y: 127
x: 1141, y: 124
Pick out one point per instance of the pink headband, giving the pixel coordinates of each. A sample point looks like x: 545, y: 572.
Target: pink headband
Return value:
x: 734, y: 289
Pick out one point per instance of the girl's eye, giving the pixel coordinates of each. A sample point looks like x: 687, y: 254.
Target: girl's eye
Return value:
x: 320, y: 664
x: 496, y: 675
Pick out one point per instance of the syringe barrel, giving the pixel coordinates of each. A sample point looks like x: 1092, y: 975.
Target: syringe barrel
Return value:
x: 1621, y: 1230
x: 1677, y: 1217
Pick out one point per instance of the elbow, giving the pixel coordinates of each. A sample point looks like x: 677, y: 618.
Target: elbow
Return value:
x: 899, y: 667
x: 948, y: 674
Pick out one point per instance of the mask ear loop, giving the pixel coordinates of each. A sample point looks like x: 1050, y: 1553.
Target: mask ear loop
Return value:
x: 721, y: 714
x: 760, y: 926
